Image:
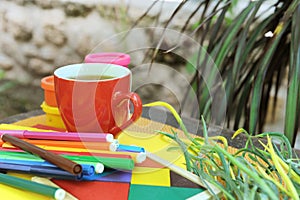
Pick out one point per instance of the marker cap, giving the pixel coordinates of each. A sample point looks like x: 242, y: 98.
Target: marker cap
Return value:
x: 59, y: 194
x: 99, y: 168
x: 109, y: 138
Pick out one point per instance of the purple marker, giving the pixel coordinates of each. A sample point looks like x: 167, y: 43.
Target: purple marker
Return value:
x: 71, y: 136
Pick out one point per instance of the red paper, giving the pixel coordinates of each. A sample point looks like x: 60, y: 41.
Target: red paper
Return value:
x: 149, y: 163
x: 91, y: 190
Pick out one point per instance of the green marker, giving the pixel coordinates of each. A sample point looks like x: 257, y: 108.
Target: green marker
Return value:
x: 99, y: 167
x: 115, y: 163
x: 54, y: 192
x: 24, y: 155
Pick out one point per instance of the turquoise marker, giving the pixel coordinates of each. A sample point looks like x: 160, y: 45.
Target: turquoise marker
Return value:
x: 56, y: 193
x: 130, y: 148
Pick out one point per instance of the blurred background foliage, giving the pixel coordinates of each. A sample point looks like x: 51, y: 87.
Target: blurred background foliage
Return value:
x: 255, y: 49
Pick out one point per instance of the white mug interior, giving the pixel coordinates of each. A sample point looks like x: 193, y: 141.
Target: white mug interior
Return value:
x: 69, y: 72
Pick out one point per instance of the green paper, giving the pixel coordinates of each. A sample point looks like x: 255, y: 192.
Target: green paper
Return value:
x: 147, y: 192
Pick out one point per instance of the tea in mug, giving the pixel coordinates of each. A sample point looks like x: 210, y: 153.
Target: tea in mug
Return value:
x: 91, y: 77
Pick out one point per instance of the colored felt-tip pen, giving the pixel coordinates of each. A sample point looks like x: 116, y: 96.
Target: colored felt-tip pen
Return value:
x: 41, y: 171
x: 115, y: 163
x: 64, y: 145
x: 137, y: 157
x: 14, y: 157
x: 130, y: 148
x: 68, y: 136
x: 61, y: 162
x: 86, y: 168
x: 54, y: 192
x: 110, y: 146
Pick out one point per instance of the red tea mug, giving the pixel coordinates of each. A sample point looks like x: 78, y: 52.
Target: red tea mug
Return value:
x: 95, y: 97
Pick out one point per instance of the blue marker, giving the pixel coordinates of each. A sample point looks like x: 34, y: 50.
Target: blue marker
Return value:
x: 41, y: 171
x: 86, y: 169
x: 130, y: 148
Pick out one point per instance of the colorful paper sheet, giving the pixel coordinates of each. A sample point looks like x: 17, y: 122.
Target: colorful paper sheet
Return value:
x: 18, y: 127
x: 92, y: 190
x: 156, y: 144
x: 149, y: 163
x: 161, y: 192
x: 151, y: 176
x: 112, y: 175
x: 179, y: 181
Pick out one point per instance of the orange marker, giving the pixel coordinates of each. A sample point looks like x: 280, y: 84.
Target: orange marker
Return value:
x: 74, y: 144
x: 137, y: 157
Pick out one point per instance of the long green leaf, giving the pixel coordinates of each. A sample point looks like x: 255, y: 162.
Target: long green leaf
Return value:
x: 293, y: 95
x: 238, y: 61
x: 258, y: 84
x: 216, y: 28
x: 231, y: 33
x: 219, y: 53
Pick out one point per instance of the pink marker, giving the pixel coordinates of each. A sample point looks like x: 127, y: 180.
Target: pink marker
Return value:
x: 116, y: 58
x: 68, y: 136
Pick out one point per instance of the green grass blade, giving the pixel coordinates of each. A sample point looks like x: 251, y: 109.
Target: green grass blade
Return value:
x: 231, y: 33
x: 220, y: 52
x: 293, y: 94
x: 242, y: 102
x: 239, y: 59
x: 258, y: 84
x: 215, y: 29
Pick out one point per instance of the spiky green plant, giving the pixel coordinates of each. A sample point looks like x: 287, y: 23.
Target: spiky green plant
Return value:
x: 247, y: 173
x: 251, y: 64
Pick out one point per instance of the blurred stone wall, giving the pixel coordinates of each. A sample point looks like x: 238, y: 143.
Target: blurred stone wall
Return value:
x: 38, y: 36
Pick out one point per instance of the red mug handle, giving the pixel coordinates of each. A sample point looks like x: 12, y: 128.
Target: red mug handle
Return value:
x: 137, y: 105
